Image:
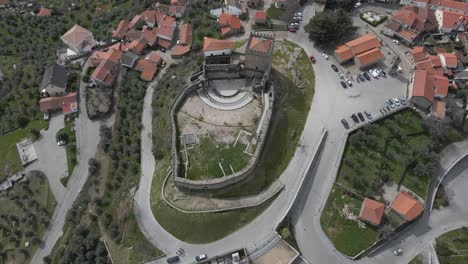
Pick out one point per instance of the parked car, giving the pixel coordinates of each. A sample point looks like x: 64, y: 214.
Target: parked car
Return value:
x: 358, y: 4
x: 396, y: 101
x: 343, y: 84
x: 46, y: 116
x: 163, y: 49
x: 369, y: 116
x: 325, y: 56
x: 345, y: 123
x: 334, y: 67
x: 361, y: 117
x: 312, y: 58
x: 374, y: 73
x: 200, y: 257
x: 389, y: 11
x: 349, y: 82
x: 388, y: 108
x: 366, y: 76
x: 360, y: 77
x: 355, y: 118
x: 298, y: 14
x: 396, y: 41
x: 390, y: 103
x: 341, y: 75
x: 173, y: 259
x: 383, y: 73
x: 403, y: 101
x: 61, y: 143
x: 298, y: 18
x: 294, y: 25
x: 293, y: 30
x: 398, y: 252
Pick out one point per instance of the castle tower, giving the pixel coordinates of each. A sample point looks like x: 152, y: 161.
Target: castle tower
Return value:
x: 259, y: 52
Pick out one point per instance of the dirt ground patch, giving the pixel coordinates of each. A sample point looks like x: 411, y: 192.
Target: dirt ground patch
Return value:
x: 282, y: 253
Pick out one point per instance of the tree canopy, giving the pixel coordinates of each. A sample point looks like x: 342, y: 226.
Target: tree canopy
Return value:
x: 329, y: 28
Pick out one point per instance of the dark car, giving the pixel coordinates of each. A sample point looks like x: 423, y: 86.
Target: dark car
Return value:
x: 388, y: 108
x: 361, y: 117
x: 383, y: 73
x: 359, y: 76
x: 163, y: 49
x: 334, y: 67
x: 345, y: 123
x: 343, y: 84
x: 366, y: 76
x: 173, y: 259
x: 355, y: 118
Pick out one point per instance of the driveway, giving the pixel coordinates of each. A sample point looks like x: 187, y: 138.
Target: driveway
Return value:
x: 51, y: 159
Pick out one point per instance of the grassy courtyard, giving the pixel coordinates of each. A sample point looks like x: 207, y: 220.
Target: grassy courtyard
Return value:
x: 452, y: 247
x: 10, y: 162
x: 398, y: 149
x: 205, y: 157
x: 340, y: 224
x: 25, y: 213
x: 275, y: 13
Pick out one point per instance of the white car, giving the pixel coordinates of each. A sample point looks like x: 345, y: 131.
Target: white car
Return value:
x: 294, y: 25
x: 398, y: 252
x: 46, y: 116
x: 396, y: 101
x: 341, y: 75
x: 61, y: 143
x: 358, y: 4
x: 200, y: 257
x: 396, y: 41
x: 298, y: 14
x: 325, y: 56
x: 374, y: 73
x: 298, y: 18
x: 349, y: 82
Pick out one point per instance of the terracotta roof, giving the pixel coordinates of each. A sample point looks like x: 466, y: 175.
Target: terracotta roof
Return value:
x: 165, y: 20
x: 364, y: 43
x: 372, y: 211
x: 438, y: 109
x: 134, y: 21
x: 405, y: 16
x: 164, y: 43
x: 147, y: 69
x: 149, y: 16
x: 407, y: 206
x: 180, y: 50
x: 369, y: 57
x: 392, y: 25
x: 133, y: 34
x: 44, y: 12
x: 228, y: 23
x: 422, y: 85
x: 178, y: 2
x: 154, y: 57
x: 441, y: 84
x: 166, y: 32
x: 65, y: 102
x: 260, y: 15
x: 76, y: 35
x: 455, y: 5
x: 435, y: 61
x: 262, y: 45
x: 439, y: 50
x: 105, y: 72
x: 136, y: 46
x: 452, y: 19
x: 418, y: 53
x: 212, y: 44
x: 121, y: 29
x: 151, y: 35
x: 450, y: 59
x: 344, y: 52
x: 408, y: 34
x: 185, y: 35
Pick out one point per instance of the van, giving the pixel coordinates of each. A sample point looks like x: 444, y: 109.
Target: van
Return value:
x: 173, y: 259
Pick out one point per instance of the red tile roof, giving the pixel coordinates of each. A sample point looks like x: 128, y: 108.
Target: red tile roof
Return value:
x: 405, y: 16
x: 105, y: 72
x: 164, y: 43
x: 455, y: 5
x: 451, y: 19
x: 344, y: 53
x: 435, y: 61
x: 438, y: 109
x: 67, y: 103
x: 44, y: 12
x: 262, y: 45
x: 166, y: 32
x: 450, y: 59
x: 179, y: 50
x: 372, y: 211
x: 136, y: 46
x: 76, y: 35
x: 98, y: 56
x: 422, y: 85
x: 418, y: 53
x: 151, y: 35
x: 260, y: 15
x: 408, y: 34
x: 229, y: 23
x: 121, y: 29
x: 407, y: 206
x: 364, y: 43
x: 441, y: 84
x: 369, y: 57
x: 212, y: 44
x: 154, y: 57
x: 186, y: 34
x: 147, y: 68
x: 134, y: 21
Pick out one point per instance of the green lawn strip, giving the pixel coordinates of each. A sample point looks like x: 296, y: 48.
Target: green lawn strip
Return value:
x: 70, y: 145
x: 196, y: 228
x: 345, y: 234
x: 275, y: 13
x: 25, y: 213
x: 272, y: 27
x: 452, y: 247
x: 416, y: 260
x: 9, y: 159
x: 290, y: 111
x: 207, y: 154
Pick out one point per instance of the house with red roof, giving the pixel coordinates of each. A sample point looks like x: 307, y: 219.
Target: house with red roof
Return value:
x: 121, y: 30
x: 407, y: 206
x: 105, y: 73
x: 427, y: 89
x: 259, y: 52
x: 151, y: 36
x: 449, y: 21
x: 448, y: 60
x: 78, y: 39
x: 363, y: 50
x: 44, y: 12
x: 112, y: 53
x: 66, y: 103
x: 229, y: 25
x: 217, y: 47
x: 184, y: 43
x: 372, y: 211
x: 418, y: 53
x: 261, y: 17
x: 148, y: 69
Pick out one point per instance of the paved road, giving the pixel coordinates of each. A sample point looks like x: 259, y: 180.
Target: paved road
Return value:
x: 87, y: 136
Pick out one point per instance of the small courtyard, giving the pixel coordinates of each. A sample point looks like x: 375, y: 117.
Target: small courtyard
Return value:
x: 214, y: 143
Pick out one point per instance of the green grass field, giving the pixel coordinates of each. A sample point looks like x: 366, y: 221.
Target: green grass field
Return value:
x: 452, y: 247
x: 25, y: 212
x: 10, y: 162
x: 384, y: 150
x: 345, y: 234
x: 206, y: 155
x: 275, y: 13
